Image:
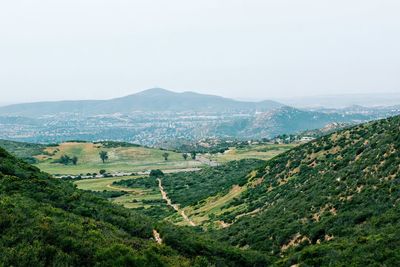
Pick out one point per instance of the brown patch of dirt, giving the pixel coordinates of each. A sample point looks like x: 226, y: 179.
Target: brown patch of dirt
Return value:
x: 295, y: 241
x: 256, y: 182
x: 328, y: 207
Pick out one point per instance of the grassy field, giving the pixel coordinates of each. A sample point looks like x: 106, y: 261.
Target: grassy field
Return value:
x: 263, y: 152
x: 135, y: 197
x: 121, y: 159
x: 204, y: 212
x: 142, y: 197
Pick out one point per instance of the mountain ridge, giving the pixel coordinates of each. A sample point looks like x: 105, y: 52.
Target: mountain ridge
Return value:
x: 154, y: 99
x: 333, y: 201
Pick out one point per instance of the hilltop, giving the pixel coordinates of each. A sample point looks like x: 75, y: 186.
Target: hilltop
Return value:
x: 157, y: 116
x: 151, y: 100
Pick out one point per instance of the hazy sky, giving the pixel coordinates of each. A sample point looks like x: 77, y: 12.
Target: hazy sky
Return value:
x: 81, y: 49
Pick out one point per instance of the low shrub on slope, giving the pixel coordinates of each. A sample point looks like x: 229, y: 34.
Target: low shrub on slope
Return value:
x: 48, y: 222
x: 333, y: 201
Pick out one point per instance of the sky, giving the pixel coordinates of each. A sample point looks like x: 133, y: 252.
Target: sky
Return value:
x: 250, y: 49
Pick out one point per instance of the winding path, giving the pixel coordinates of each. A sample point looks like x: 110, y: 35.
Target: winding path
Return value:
x: 174, y: 206
x: 157, y: 237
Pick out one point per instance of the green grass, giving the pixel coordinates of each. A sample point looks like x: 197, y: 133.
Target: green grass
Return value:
x: 136, y: 197
x: 263, y: 152
x: 121, y: 159
x: 99, y: 184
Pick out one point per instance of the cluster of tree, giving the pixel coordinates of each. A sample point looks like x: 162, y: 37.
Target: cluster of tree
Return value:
x: 66, y: 160
x: 192, y: 155
x: 185, y: 156
x: 115, y: 144
x: 156, y: 173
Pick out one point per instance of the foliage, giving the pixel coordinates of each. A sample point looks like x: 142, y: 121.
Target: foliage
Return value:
x: 156, y: 173
x: 103, y: 155
x: 48, y: 222
x: 25, y: 151
x: 65, y: 160
x: 188, y: 188
x: 165, y: 155
x: 333, y: 201
x: 114, y: 144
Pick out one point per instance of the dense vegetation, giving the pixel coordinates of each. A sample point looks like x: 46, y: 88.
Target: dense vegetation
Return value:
x: 48, y: 222
x: 188, y: 188
x: 25, y: 151
x: 334, y: 201
x: 115, y: 144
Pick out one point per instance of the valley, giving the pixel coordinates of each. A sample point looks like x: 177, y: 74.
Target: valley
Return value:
x: 308, y: 189
x: 283, y: 202
x: 199, y: 133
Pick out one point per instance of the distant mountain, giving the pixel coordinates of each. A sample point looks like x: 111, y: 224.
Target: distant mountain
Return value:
x: 151, y: 100
x: 342, y: 101
x: 285, y: 120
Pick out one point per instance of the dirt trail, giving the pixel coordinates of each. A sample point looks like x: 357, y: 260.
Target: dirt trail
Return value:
x: 174, y: 206
x: 157, y: 237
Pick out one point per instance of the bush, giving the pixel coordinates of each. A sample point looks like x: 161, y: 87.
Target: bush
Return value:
x: 156, y: 173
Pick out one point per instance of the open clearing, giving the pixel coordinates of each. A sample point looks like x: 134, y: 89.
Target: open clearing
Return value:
x: 100, y: 184
x: 121, y: 159
x: 263, y: 152
x: 135, y: 198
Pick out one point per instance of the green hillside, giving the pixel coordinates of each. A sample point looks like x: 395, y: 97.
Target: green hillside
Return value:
x: 331, y: 202
x: 334, y: 201
x: 48, y: 222
x: 201, y: 194
x: 25, y: 151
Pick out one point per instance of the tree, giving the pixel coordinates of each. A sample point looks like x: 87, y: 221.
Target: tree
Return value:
x: 185, y: 156
x: 156, y: 173
x: 103, y: 155
x: 102, y: 171
x: 165, y: 155
x: 193, y: 154
x: 65, y: 159
x: 74, y: 160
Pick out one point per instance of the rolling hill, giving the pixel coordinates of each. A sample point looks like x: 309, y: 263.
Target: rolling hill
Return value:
x: 284, y: 120
x: 151, y: 100
x: 333, y: 201
x: 48, y: 222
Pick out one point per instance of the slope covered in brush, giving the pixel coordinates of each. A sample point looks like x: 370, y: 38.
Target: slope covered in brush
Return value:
x: 333, y: 201
x: 48, y: 222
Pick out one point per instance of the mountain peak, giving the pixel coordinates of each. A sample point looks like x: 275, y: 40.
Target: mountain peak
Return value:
x: 155, y: 91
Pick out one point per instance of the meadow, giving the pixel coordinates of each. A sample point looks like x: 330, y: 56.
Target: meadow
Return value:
x: 127, y: 159
x: 133, y: 198
x: 263, y: 152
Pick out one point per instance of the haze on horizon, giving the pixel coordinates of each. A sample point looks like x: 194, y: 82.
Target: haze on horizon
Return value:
x: 55, y: 50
